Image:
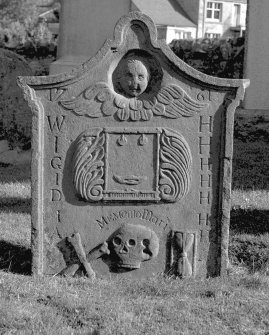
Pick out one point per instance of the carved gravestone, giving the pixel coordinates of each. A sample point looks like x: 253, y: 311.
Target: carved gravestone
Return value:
x: 131, y: 164
x: 14, y: 112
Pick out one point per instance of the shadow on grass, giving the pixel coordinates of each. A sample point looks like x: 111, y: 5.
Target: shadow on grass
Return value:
x: 251, y: 147
x: 15, y: 205
x: 15, y: 173
x: 249, y: 221
x: 15, y: 258
x: 249, y: 239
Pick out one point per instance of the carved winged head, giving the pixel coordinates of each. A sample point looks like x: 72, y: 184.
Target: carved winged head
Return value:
x: 135, y: 91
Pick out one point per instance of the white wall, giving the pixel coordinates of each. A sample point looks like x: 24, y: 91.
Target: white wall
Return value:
x: 257, y: 56
x: 179, y: 33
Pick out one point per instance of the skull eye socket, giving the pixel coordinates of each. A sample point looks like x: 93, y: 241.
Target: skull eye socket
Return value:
x: 117, y: 240
x: 131, y: 242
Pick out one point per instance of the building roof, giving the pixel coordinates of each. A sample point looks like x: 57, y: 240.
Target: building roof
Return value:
x: 164, y: 12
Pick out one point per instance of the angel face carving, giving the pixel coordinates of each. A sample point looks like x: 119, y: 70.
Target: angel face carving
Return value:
x: 134, y: 77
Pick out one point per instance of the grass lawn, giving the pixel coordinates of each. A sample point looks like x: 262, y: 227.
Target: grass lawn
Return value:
x: 238, y: 304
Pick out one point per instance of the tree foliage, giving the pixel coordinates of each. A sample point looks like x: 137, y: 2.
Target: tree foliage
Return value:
x: 215, y: 57
x: 18, y: 10
x: 22, y: 30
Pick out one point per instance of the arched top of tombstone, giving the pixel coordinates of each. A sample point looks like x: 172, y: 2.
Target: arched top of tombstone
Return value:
x: 9, y: 61
x: 135, y: 31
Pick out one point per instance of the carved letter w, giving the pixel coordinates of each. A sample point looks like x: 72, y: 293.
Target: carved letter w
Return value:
x: 56, y: 123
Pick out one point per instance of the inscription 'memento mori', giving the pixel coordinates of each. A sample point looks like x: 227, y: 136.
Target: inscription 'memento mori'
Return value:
x: 104, y: 169
x: 143, y: 214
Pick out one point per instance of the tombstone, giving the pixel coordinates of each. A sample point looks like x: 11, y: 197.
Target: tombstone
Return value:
x: 131, y: 164
x: 15, y: 114
x: 84, y: 27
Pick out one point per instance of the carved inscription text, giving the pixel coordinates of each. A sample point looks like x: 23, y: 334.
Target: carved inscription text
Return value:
x: 143, y: 214
x: 55, y: 126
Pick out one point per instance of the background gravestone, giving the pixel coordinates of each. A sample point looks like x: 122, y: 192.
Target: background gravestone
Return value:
x: 15, y: 114
x: 131, y: 164
x: 84, y: 26
x: 256, y: 65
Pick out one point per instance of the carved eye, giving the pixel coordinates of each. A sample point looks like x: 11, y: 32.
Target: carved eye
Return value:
x: 132, y: 242
x: 146, y: 242
x: 117, y: 240
x: 141, y: 77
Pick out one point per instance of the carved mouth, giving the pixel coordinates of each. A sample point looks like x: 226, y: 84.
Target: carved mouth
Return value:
x: 128, y: 266
x: 135, y: 91
x: 129, y: 180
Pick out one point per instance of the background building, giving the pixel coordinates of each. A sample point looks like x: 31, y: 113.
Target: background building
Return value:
x: 181, y: 19
x: 171, y: 19
x: 184, y: 19
x: 223, y: 19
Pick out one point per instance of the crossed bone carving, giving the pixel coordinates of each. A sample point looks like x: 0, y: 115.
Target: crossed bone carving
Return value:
x: 84, y: 259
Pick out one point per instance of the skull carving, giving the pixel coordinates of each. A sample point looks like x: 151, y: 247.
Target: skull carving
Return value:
x: 132, y: 244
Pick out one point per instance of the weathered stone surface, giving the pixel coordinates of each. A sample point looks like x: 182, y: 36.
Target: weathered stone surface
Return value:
x: 131, y: 165
x: 14, y: 111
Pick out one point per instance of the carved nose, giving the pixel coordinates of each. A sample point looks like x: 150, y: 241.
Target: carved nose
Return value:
x: 134, y: 85
x: 124, y: 249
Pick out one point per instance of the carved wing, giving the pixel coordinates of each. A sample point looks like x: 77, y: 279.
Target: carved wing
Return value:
x: 175, y: 166
x: 100, y: 100
x: 85, y: 103
x: 173, y: 102
x: 88, y: 162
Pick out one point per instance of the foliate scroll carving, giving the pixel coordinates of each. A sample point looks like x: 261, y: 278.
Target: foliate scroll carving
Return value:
x: 170, y: 102
x: 184, y: 253
x: 88, y: 164
x: 175, y: 166
x: 131, y: 164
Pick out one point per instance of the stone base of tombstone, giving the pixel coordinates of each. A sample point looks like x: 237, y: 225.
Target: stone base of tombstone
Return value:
x: 132, y: 162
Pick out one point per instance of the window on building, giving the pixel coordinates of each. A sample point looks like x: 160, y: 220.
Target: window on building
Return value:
x: 212, y: 35
x: 187, y: 35
x: 214, y: 11
x: 237, y: 11
x: 179, y: 35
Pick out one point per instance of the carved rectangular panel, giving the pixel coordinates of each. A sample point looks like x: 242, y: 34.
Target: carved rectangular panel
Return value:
x: 131, y: 164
